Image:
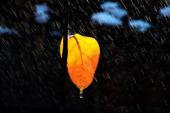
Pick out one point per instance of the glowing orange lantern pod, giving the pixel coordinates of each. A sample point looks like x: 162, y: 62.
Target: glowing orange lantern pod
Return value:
x: 82, y: 60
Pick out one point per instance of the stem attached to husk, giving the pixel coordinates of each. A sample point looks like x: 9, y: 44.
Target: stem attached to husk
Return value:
x: 81, y: 93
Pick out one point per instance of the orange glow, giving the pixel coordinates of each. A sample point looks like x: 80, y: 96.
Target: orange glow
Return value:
x: 82, y: 61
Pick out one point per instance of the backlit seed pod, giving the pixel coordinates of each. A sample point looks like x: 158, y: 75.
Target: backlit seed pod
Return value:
x: 82, y: 60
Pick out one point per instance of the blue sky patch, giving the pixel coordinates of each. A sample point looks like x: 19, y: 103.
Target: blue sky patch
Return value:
x: 41, y: 13
x: 139, y: 25
x: 105, y: 18
x: 165, y: 11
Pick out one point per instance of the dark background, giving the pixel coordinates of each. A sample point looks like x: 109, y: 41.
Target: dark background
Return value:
x: 133, y: 72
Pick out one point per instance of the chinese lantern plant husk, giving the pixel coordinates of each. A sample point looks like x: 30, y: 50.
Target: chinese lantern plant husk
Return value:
x: 82, y: 60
